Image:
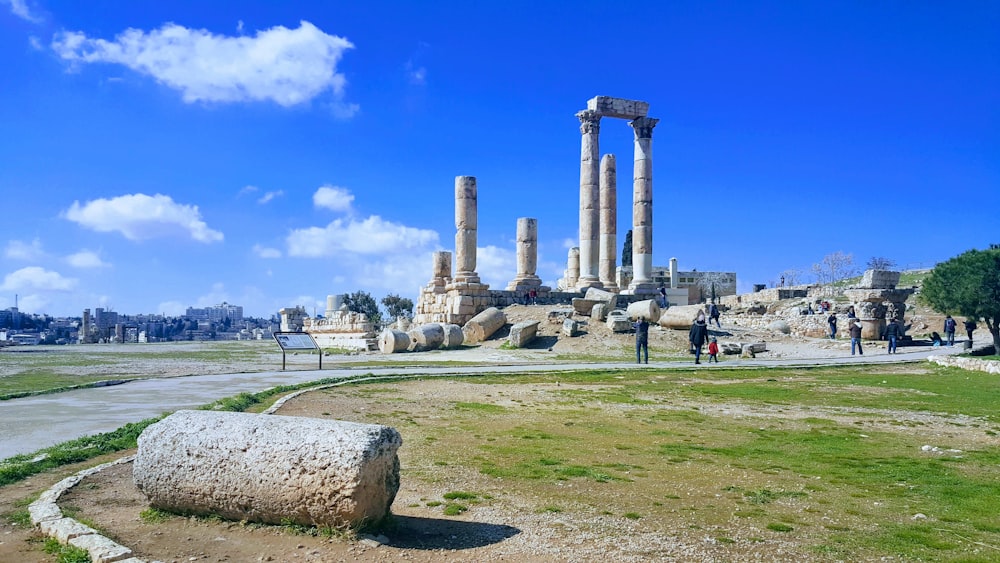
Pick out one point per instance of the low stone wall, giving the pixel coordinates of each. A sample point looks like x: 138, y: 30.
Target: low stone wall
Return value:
x: 974, y: 364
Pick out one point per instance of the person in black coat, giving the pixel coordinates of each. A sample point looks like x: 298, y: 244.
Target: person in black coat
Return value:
x: 698, y: 335
x: 891, y: 333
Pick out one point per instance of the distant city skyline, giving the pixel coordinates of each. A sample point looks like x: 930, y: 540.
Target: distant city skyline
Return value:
x: 157, y: 157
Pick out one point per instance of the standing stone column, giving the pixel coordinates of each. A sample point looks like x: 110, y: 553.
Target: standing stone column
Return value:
x: 590, y: 126
x: 441, y: 269
x: 673, y: 273
x: 572, y: 273
x: 527, y: 255
x: 608, y: 255
x: 642, y: 206
x: 466, y: 223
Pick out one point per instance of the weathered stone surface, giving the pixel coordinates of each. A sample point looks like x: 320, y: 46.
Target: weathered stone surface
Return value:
x: 453, y: 336
x: 595, y: 294
x: 599, y: 312
x: 648, y: 309
x: 618, y: 107
x: 879, y: 279
x: 466, y: 226
x: 608, y: 252
x: 65, y: 529
x: 618, y: 322
x: 483, y: 325
x: 780, y: 326
x: 590, y: 126
x: 571, y: 328
x: 41, y: 511
x: 584, y: 306
x: 521, y: 334
x: 732, y: 348
x: 426, y: 337
x: 679, y: 317
x: 101, y: 549
x: 268, y: 468
x: 392, y: 341
x: 557, y: 316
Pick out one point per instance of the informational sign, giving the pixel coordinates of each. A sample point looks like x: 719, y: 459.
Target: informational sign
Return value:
x: 297, y: 341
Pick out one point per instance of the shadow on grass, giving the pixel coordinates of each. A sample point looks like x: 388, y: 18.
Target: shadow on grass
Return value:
x: 410, y: 532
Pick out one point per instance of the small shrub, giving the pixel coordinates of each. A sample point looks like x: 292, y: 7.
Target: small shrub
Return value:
x: 632, y: 515
x: 454, y: 509
x: 460, y: 495
x: 154, y: 516
x: 779, y: 527
x: 65, y: 553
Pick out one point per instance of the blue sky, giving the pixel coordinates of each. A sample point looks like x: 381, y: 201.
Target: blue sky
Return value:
x: 156, y: 156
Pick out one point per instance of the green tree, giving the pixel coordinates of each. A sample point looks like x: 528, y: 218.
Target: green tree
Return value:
x: 398, y: 306
x: 627, y: 250
x: 363, y: 302
x: 968, y: 285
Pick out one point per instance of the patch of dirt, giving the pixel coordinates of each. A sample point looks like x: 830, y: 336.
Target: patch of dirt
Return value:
x: 587, y: 526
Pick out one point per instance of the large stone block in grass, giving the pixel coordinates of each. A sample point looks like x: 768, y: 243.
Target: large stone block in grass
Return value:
x: 266, y: 468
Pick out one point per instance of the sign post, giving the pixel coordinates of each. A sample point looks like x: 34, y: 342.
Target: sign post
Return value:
x: 296, y: 341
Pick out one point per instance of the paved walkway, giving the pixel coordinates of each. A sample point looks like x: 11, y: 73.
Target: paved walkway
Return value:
x: 31, y: 423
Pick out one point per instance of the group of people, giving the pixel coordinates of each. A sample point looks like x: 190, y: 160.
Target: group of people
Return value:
x: 698, y: 336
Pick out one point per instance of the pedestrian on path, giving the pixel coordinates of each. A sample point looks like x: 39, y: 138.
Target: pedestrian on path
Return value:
x: 891, y: 333
x: 713, y: 315
x: 641, y: 326
x: 713, y: 350
x: 949, y: 329
x: 698, y: 335
x: 970, y: 327
x: 855, y: 328
x: 832, y: 321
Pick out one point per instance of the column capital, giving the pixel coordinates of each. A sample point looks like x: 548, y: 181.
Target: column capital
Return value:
x: 590, y: 121
x: 643, y: 127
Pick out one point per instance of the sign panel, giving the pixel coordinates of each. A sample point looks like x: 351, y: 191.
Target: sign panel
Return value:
x: 295, y: 341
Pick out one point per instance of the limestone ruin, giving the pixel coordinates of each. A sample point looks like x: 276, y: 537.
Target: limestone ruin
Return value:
x: 457, y: 298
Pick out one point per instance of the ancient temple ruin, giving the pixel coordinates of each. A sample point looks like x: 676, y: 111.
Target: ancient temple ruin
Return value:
x: 455, y: 299
x: 339, y: 327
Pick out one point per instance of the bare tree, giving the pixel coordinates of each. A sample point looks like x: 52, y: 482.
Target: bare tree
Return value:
x: 880, y: 263
x: 709, y: 284
x: 833, y: 267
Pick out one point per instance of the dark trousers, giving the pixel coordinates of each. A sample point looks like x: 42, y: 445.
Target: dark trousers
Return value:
x: 951, y: 338
x: 641, y: 349
x: 697, y: 354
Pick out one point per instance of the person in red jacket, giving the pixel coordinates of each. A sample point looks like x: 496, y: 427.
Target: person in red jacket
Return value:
x: 713, y: 351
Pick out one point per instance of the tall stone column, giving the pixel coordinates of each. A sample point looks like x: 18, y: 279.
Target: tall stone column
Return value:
x: 527, y: 255
x: 590, y: 126
x: 608, y: 255
x: 673, y: 273
x: 466, y: 223
x: 642, y: 206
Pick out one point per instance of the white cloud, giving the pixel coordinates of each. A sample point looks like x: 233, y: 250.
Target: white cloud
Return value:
x: 333, y: 197
x: 245, y: 190
x: 215, y: 296
x: 18, y: 250
x: 496, y: 266
x: 286, y: 66
x: 343, y: 110
x: 569, y: 243
x: 371, y: 236
x: 139, y: 217
x: 20, y: 9
x: 37, y: 279
x: 35, y: 43
x: 86, y: 259
x: 266, y: 252
x: 269, y: 196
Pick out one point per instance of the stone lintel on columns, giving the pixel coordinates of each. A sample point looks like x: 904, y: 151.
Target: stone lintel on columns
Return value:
x: 618, y: 107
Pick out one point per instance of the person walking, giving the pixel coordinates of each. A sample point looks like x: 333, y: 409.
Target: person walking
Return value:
x: 641, y: 326
x: 713, y: 315
x: 698, y: 335
x: 663, y: 296
x: 891, y: 333
x: 832, y: 321
x: 713, y: 350
x: 970, y: 327
x: 854, y: 326
x: 949, y: 329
